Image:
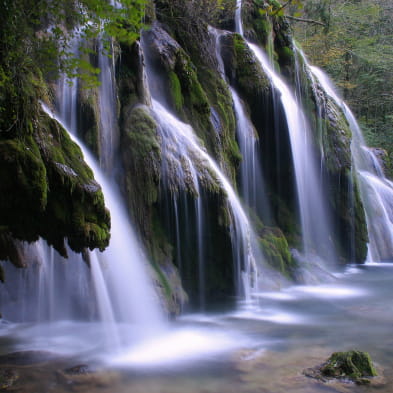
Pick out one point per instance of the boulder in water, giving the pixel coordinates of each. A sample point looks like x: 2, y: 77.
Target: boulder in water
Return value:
x: 352, y: 366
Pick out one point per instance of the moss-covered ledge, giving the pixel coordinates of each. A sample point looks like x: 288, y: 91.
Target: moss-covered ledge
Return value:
x: 49, y: 191
x: 244, y: 71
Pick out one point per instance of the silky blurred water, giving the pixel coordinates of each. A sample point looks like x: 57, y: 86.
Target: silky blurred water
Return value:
x: 261, y: 345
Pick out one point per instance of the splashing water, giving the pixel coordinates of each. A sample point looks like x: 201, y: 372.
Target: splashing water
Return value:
x: 124, y: 293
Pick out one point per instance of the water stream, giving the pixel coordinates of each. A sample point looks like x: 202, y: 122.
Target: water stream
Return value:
x: 376, y: 190
x: 185, y: 146
x: 120, y: 272
x: 188, y: 164
x: 252, y: 184
x: 315, y: 224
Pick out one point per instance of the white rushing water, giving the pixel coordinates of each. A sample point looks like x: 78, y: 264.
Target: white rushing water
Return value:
x: 238, y: 17
x: 252, y: 184
x: 316, y: 230
x: 186, y: 165
x: 376, y: 190
x: 185, y: 146
x: 50, y: 288
x: 123, y: 289
x: 109, y: 133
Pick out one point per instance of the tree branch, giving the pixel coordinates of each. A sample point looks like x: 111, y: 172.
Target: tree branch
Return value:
x: 282, y: 7
x: 315, y: 22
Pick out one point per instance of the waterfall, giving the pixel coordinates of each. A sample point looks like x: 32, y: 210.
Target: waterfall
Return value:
x: 376, y: 190
x: 123, y: 290
x: 186, y: 165
x: 252, y: 183
x: 51, y: 288
x: 109, y: 133
x: 238, y: 17
x: 316, y: 230
x: 184, y: 144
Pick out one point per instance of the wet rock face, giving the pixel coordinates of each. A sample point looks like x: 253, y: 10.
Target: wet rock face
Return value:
x: 46, y: 184
x: 382, y: 157
x: 352, y: 366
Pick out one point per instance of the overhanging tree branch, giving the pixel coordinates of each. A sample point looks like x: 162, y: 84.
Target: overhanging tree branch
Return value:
x: 312, y: 21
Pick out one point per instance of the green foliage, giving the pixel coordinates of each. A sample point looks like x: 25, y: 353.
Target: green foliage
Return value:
x: 197, y: 12
x: 37, y: 36
x: 274, y: 8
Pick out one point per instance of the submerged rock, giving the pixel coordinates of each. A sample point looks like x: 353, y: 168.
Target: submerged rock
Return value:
x: 8, y: 377
x: 351, y: 366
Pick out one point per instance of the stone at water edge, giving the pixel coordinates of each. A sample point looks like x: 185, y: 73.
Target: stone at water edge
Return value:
x: 8, y: 377
x: 355, y: 366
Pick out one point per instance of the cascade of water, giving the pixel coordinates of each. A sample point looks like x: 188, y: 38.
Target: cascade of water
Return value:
x: 119, y: 273
x: 252, y: 185
x: 376, y: 190
x: 109, y: 133
x: 185, y: 165
x: 49, y: 289
x: 185, y: 145
x: 315, y: 225
x: 238, y: 17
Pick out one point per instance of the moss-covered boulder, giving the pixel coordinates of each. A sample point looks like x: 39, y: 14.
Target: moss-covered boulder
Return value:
x: 141, y: 156
x: 257, y: 25
x: 350, y: 364
x: 88, y: 117
x: 180, y: 87
x: 275, y: 248
x: 346, y: 367
x: 244, y: 72
x: 49, y: 191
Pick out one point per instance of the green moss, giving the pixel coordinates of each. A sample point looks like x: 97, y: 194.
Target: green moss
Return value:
x: 336, y: 139
x: 350, y: 364
x: 275, y: 248
x: 194, y: 95
x: 249, y: 75
x: 285, y: 55
x: 88, y: 117
x: 22, y: 174
x: 359, y: 225
x: 176, y: 94
x: 50, y: 186
x: 256, y: 22
x: 223, y: 137
x: 141, y: 154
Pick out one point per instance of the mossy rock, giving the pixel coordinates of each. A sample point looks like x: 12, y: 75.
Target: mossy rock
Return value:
x: 243, y: 69
x: 257, y: 25
x: 45, y: 185
x: 197, y: 94
x: 8, y: 377
x: 141, y: 155
x: 276, y: 250
x: 350, y: 364
x: 88, y: 117
x: 267, y: 28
